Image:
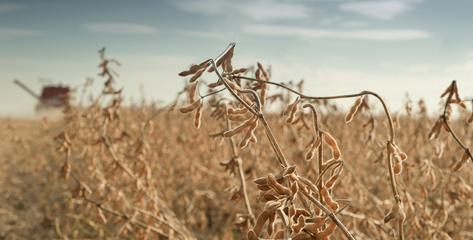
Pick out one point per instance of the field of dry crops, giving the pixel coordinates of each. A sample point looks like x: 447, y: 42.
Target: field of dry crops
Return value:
x: 239, y: 157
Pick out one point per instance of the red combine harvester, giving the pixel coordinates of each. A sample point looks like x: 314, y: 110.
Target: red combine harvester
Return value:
x: 52, y: 96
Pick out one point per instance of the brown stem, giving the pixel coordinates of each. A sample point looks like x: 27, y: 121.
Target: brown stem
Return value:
x: 277, y: 148
x: 391, y: 175
x: 303, y: 96
x: 389, y: 120
x: 241, y: 174
x: 314, y: 116
x: 274, y: 143
x: 396, y: 195
x: 445, y: 121
x: 329, y: 213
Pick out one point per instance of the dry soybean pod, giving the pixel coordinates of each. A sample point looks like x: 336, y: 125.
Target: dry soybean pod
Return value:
x: 336, y: 154
x: 239, y: 128
x: 354, y: 109
x: 191, y: 107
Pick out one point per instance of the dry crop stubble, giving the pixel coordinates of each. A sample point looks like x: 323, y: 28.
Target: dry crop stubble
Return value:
x: 281, y: 198
x: 307, y: 171
x: 300, y: 188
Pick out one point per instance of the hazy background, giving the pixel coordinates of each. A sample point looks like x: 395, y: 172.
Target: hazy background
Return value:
x: 389, y: 46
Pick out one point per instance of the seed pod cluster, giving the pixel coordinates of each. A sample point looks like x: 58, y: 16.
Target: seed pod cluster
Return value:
x: 398, y: 157
x: 279, y: 188
x: 298, y: 225
x: 453, y: 97
x: 435, y: 130
x: 260, y: 221
x: 225, y: 60
x: 464, y: 158
x: 470, y: 119
x: 279, y: 191
x: 235, y: 72
x: 215, y: 84
x: 331, y: 181
x: 312, y: 147
x: 265, y: 75
x: 267, y: 216
x: 354, y: 109
x: 261, y: 74
x: 458, y: 102
x: 314, y: 224
x: 248, y: 126
x: 195, y: 70
x: 291, y: 111
x: 249, y: 135
x: 300, y: 212
x: 263, y: 94
x: 289, y: 200
x: 332, y: 143
x: 278, y: 235
x: 191, y: 107
x: 192, y: 91
x: 332, y: 204
x: 237, y: 111
x: 196, y: 106
x: 219, y: 111
x: 327, y: 231
x: 198, y: 116
x: 233, y: 85
x: 237, y: 117
x: 240, y: 128
x: 197, y: 75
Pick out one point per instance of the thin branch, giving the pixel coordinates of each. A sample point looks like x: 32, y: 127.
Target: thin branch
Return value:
x: 303, y: 96
x: 241, y: 174
x: 330, y: 214
x: 443, y: 117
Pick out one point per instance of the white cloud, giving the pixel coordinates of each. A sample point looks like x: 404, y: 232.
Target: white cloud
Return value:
x: 385, y: 9
x: 353, y: 24
x: 421, y: 68
x: 207, y: 7
x: 461, y: 70
x: 10, y: 7
x: 120, y: 28
x: 256, y: 10
x: 270, y: 9
x: 203, y: 34
x: 325, y: 80
x: 16, y: 32
x: 367, y: 34
x: 330, y: 20
x: 339, y: 21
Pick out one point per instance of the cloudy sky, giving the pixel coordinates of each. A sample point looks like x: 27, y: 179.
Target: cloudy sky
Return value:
x: 344, y: 46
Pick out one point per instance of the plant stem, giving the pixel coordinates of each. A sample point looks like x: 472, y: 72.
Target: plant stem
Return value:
x: 241, y: 174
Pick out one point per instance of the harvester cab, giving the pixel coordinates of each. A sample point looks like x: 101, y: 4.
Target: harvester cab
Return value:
x: 51, y: 97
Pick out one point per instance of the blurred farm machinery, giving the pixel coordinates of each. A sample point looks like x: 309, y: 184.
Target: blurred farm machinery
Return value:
x: 51, y: 97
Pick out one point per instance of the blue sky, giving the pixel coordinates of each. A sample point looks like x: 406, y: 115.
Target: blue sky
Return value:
x: 389, y: 46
